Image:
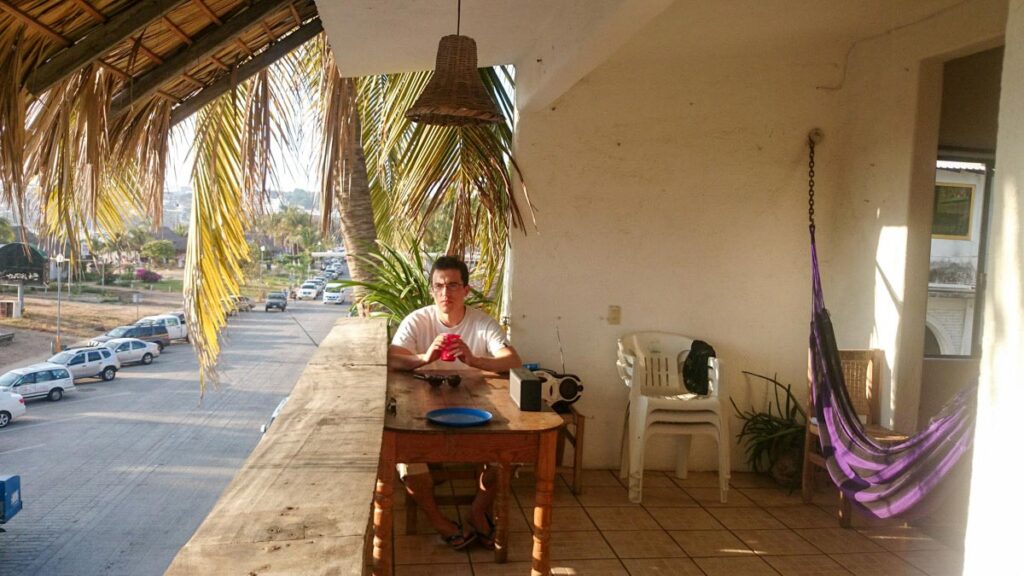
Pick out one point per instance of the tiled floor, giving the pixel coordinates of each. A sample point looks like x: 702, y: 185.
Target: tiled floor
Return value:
x: 682, y: 529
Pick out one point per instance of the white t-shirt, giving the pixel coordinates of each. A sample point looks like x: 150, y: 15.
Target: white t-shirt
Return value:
x: 480, y: 332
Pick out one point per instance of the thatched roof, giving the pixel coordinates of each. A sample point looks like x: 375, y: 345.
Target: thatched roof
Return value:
x: 177, y: 50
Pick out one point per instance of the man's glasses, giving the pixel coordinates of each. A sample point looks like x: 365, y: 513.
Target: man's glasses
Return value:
x: 450, y: 287
x: 435, y: 380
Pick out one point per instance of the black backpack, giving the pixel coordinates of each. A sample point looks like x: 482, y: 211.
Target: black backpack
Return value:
x: 695, y: 367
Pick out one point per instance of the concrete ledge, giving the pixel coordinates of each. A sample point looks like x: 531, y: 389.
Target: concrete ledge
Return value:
x: 301, y: 504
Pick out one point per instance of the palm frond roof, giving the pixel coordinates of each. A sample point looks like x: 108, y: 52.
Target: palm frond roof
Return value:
x: 178, y: 50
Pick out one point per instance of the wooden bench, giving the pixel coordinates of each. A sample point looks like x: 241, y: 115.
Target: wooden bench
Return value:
x: 301, y: 504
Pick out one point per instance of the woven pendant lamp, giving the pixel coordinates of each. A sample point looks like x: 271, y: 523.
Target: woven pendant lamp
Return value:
x: 455, y: 95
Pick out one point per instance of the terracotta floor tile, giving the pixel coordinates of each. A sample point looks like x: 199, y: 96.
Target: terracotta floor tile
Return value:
x: 426, y: 549
x: 803, y: 516
x: 565, y: 568
x: 750, y: 480
x: 657, y: 479
x: 644, y: 544
x: 492, y: 569
x: 771, y: 496
x: 709, y: 497
x: 435, y: 569
x: 751, y: 566
x: 569, y: 519
x: 520, y: 549
x: 671, y: 496
x: 579, y: 546
x: 935, y: 562
x: 838, y: 540
x: 775, y: 542
x: 622, y: 518
x: 696, y: 480
x: 601, y: 478
x: 587, y: 568
x: 876, y: 564
x: 710, y: 543
x: 563, y: 496
x: 685, y: 519
x: 746, y: 518
x: 902, y: 539
x: 811, y: 565
x: 662, y: 567
x: 606, y: 496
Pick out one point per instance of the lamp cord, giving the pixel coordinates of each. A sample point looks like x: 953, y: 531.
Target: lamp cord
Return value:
x: 458, y: 19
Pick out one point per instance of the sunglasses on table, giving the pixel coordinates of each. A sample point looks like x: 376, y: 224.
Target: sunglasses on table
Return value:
x: 435, y: 380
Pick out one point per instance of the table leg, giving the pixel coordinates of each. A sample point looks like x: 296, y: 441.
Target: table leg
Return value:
x: 382, y: 503
x: 542, y: 504
x: 501, y: 518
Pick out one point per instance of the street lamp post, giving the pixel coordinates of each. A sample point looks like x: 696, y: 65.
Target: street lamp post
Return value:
x: 59, y: 259
x: 262, y: 250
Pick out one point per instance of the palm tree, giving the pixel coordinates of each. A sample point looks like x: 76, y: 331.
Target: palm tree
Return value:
x: 384, y: 175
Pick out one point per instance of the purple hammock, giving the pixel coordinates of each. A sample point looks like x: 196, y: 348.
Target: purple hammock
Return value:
x: 881, y: 478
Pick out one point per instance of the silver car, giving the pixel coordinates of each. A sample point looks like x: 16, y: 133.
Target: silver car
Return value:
x: 132, y: 350
x: 98, y: 362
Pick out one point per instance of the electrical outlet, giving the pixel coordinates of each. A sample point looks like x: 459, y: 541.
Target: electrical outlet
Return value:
x: 614, y: 314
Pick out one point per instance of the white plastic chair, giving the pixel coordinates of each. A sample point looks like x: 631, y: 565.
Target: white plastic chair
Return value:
x: 650, y: 364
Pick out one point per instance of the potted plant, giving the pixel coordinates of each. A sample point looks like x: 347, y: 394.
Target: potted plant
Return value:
x: 774, y: 438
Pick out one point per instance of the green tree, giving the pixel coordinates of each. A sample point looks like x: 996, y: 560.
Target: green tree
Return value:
x: 159, y: 250
x: 6, y: 232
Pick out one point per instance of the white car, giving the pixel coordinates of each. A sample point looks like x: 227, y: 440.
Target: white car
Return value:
x: 334, y: 293
x: 11, y: 406
x: 309, y: 290
x: 131, y: 350
x: 97, y: 361
x: 176, y: 328
x: 37, y: 380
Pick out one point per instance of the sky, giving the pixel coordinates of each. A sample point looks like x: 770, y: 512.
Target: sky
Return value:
x: 298, y: 169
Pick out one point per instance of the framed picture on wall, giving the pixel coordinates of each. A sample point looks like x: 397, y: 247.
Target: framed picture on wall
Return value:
x: 951, y: 218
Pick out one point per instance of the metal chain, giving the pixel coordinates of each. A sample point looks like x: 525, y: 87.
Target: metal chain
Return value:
x: 810, y: 185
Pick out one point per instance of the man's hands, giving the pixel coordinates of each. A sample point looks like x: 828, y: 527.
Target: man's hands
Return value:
x: 403, y: 359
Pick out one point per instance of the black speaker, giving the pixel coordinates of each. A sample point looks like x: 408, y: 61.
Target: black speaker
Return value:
x: 525, y: 388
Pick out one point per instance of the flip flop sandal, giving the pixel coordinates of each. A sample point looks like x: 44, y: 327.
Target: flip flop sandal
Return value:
x: 459, y: 540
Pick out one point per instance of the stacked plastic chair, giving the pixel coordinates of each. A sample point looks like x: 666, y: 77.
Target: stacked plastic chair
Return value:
x: 650, y: 364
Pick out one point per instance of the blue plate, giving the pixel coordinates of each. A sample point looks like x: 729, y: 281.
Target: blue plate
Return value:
x: 459, y: 417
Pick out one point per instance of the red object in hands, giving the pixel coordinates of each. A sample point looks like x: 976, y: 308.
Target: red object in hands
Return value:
x: 449, y: 342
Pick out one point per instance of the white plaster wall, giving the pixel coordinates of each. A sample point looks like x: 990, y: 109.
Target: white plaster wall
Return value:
x: 891, y: 104
x: 671, y: 181
x: 988, y: 549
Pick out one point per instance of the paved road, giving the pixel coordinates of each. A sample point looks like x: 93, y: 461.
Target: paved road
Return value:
x: 117, y: 476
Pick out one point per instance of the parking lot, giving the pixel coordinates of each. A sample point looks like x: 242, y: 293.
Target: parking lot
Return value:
x: 117, y: 475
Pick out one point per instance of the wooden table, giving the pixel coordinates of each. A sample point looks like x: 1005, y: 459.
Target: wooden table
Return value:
x: 512, y: 436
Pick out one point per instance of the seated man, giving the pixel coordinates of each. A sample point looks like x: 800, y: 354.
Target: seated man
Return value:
x: 418, y: 343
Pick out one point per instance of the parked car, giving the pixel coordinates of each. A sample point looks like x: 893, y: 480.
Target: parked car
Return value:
x: 309, y: 290
x: 148, y: 332
x: 242, y: 303
x: 230, y: 309
x: 131, y: 350
x: 277, y: 300
x: 334, y: 293
x: 96, y: 362
x: 175, y: 324
x: 13, y: 405
x: 39, y: 380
